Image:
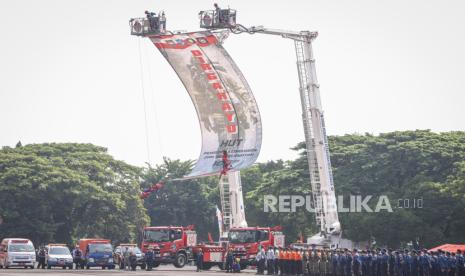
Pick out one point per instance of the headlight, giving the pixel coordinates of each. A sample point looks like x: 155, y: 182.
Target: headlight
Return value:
x: 69, y: 260
x: 252, y: 256
x: 110, y: 260
x: 52, y: 259
x: 91, y: 260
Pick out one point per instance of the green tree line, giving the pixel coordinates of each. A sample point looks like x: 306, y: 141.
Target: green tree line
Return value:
x: 63, y: 192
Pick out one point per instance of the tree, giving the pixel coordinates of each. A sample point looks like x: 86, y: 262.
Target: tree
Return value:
x: 63, y: 192
x: 180, y: 203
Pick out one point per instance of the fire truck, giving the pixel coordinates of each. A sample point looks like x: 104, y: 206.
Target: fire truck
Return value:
x: 171, y: 244
x: 247, y: 241
x: 177, y: 245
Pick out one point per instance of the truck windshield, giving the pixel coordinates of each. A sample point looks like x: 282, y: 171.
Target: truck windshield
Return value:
x: 157, y: 235
x: 58, y: 251
x: 100, y: 248
x: 21, y: 248
x: 136, y: 250
x: 243, y: 236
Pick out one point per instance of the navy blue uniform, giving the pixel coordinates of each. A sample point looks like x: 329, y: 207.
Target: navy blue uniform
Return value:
x: 357, y: 265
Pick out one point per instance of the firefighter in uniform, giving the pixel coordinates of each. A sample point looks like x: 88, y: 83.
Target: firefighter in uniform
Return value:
x: 341, y: 263
x: 282, y: 261
x: 435, y: 267
x: 324, y: 263
x: 149, y: 258
x: 300, y: 262
x: 229, y: 260
x: 356, y: 263
x: 261, y: 259
x: 383, y: 261
x: 311, y: 263
x: 77, y: 257
x: 460, y: 268
x: 41, y: 256
x: 423, y: 263
x: 305, y: 262
x: 348, y: 263
x: 199, y: 260
x: 333, y: 263
x: 391, y: 262
x: 270, y: 261
x: 277, y: 258
x: 288, y: 268
x: 415, y: 265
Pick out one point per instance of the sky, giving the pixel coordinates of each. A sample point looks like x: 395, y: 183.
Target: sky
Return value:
x: 71, y: 72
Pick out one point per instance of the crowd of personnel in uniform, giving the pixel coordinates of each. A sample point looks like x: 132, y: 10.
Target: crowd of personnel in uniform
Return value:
x: 355, y: 263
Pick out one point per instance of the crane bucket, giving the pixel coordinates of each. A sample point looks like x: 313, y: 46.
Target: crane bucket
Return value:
x: 218, y: 19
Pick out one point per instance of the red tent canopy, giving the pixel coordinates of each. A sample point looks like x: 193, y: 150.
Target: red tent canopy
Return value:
x: 449, y: 247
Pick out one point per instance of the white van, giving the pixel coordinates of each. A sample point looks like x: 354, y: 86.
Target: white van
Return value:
x: 17, y: 252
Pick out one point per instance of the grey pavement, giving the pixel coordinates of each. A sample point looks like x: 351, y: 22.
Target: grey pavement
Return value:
x: 159, y: 271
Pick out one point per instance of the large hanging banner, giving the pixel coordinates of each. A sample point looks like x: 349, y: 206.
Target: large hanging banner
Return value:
x: 227, y: 111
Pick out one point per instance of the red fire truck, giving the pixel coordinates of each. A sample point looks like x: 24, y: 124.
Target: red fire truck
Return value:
x: 171, y: 244
x: 178, y: 245
x: 245, y: 242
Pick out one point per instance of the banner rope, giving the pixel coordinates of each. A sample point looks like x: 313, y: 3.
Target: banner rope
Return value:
x: 143, y: 98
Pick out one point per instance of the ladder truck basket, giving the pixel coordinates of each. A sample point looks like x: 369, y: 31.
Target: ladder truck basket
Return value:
x: 191, y: 238
x: 221, y: 19
x: 144, y: 26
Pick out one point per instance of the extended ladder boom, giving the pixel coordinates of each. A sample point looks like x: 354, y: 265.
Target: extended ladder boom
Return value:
x: 232, y: 201
x: 321, y: 177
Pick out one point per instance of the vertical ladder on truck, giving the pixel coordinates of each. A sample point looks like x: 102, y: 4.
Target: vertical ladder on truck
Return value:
x: 306, y: 90
x: 225, y: 196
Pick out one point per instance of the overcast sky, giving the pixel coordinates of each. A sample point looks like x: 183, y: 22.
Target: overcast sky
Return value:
x: 70, y: 72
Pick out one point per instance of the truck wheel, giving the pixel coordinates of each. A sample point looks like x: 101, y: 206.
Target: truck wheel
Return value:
x: 142, y: 266
x: 87, y: 267
x: 207, y: 266
x: 156, y: 264
x: 243, y: 266
x: 180, y: 260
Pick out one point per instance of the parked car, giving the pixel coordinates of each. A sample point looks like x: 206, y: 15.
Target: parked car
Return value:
x: 58, y: 255
x: 17, y: 252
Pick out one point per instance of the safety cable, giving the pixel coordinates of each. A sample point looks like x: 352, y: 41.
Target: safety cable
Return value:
x: 158, y: 129
x: 143, y: 97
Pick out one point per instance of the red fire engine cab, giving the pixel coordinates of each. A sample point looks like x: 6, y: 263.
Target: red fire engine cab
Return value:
x: 171, y: 244
x: 246, y: 242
